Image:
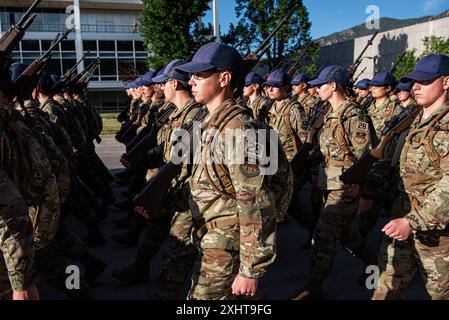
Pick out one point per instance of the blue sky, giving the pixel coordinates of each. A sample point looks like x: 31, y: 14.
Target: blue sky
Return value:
x: 328, y: 16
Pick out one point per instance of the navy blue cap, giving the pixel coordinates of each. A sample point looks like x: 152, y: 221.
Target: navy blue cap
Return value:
x: 138, y: 82
x: 147, y: 78
x: 362, y: 84
x: 405, y: 86
x: 329, y: 74
x: 214, y: 55
x: 253, y: 78
x: 300, y: 78
x: 157, y: 75
x: 16, y: 70
x: 383, y: 78
x: 428, y: 68
x: 169, y: 72
x: 277, y: 78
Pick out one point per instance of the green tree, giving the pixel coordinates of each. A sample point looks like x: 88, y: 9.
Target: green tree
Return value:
x: 407, y: 64
x: 432, y: 44
x: 258, y: 18
x: 437, y: 45
x: 170, y: 29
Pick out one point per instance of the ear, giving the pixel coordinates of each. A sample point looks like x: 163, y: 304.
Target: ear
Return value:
x: 176, y: 85
x: 334, y: 86
x: 446, y: 83
x: 225, y: 78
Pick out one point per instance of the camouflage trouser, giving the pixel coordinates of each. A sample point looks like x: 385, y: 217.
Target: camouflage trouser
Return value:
x: 45, y: 218
x: 213, y: 274
x: 399, y: 260
x: 154, y: 233
x: 178, y: 259
x: 334, y: 225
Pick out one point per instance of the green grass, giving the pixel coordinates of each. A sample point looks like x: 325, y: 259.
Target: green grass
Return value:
x: 110, y: 123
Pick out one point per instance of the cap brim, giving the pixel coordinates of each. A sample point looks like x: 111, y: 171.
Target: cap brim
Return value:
x: 160, y: 78
x: 274, y: 84
x: 316, y: 82
x: 418, y: 76
x: 193, y: 67
x: 376, y: 83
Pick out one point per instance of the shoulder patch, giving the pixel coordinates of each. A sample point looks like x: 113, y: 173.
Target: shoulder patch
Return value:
x: 249, y: 170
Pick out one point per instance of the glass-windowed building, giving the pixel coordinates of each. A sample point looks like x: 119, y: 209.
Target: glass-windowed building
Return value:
x: 109, y: 30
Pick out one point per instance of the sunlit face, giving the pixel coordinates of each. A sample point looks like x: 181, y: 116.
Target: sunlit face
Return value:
x: 363, y: 93
x: 170, y: 90
x: 325, y: 91
x: 428, y: 92
x: 205, y: 86
x: 158, y: 90
x: 404, y: 95
x: 249, y: 90
x: 277, y: 93
x: 380, y: 91
x: 299, y: 89
x: 312, y: 90
x: 147, y: 91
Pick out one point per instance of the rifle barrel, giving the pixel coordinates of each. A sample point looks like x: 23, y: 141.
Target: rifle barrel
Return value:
x: 25, y: 17
x: 273, y: 32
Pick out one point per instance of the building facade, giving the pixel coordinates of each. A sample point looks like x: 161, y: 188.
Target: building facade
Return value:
x: 109, y: 30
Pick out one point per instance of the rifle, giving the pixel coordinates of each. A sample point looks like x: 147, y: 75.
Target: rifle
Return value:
x: 73, y: 69
x: 356, y: 173
x: 243, y: 40
x: 153, y: 195
x: 318, y: 71
x: 298, y: 163
x: 15, y: 33
x: 357, y: 78
x: 393, y: 68
x: 37, y: 66
x: 146, y: 139
x: 293, y: 68
x: 357, y: 61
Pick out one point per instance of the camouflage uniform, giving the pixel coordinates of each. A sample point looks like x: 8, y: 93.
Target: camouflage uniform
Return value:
x: 308, y: 102
x: 343, y: 139
x: 424, y: 169
x: 176, y: 219
x: 235, y: 228
x: 378, y: 186
x: 289, y: 120
x: 260, y: 108
x: 16, y: 233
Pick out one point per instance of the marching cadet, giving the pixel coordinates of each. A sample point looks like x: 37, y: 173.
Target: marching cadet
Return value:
x: 18, y: 276
x: 259, y: 105
x: 299, y: 91
x: 343, y: 139
x: 175, y: 220
x: 419, y: 230
x: 405, y: 94
x: 362, y: 90
x: 289, y: 119
x: 233, y: 204
x: 376, y: 195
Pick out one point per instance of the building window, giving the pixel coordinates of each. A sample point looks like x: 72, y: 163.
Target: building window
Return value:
x: 139, y: 46
x: 125, y: 46
x: 68, y: 45
x: 90, y: 45
x: 30, y: 45
x: 106, y: 45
